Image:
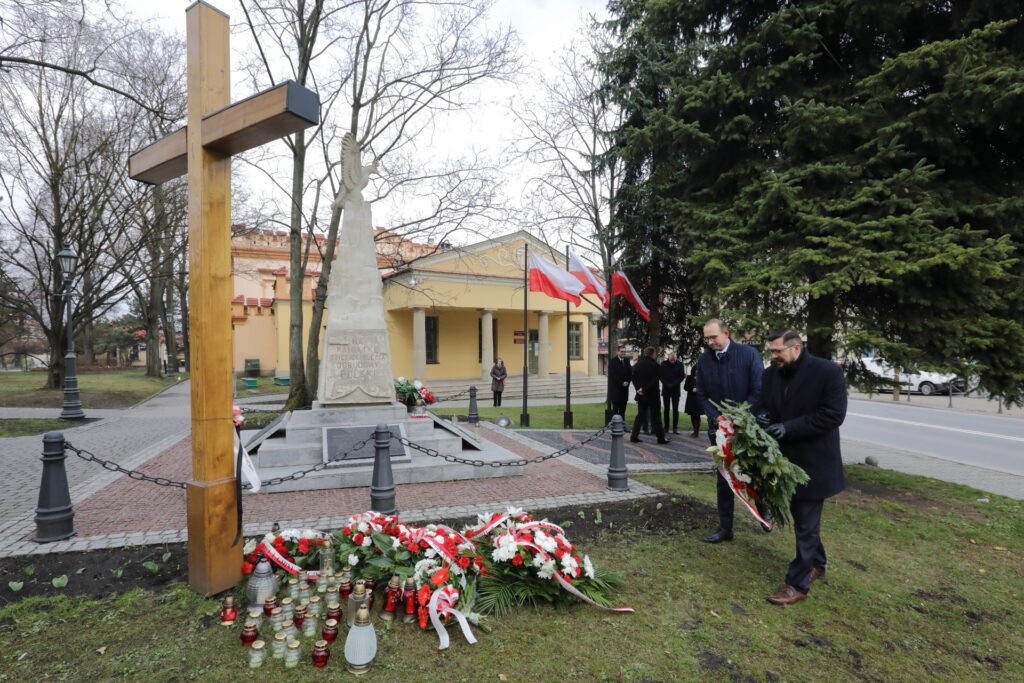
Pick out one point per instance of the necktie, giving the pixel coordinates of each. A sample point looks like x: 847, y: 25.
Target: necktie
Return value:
x: 720, y: 354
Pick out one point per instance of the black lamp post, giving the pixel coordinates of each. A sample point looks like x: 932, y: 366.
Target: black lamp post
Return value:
x: 72, y: 404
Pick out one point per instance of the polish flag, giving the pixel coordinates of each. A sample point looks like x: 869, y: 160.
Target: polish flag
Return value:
x: 591, y: 285
x: 622, y: 285
x: 546, y: 277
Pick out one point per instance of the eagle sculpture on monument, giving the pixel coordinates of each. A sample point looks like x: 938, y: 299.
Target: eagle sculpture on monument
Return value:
x: 354, y: 176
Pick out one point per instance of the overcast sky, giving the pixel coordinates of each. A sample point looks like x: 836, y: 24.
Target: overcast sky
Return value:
x: 543, y: 26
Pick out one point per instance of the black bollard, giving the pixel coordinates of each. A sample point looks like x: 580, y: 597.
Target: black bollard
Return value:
x: 618, y: 477
x: 382, y: 484
x: 55, y: 518
x: 474, y: 412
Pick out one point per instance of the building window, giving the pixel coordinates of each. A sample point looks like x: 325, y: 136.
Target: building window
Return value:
x: 480, y: 340
x: 431, y: 325
x: 576, y: 341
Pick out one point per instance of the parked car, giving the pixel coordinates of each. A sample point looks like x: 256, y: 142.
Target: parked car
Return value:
x: 921, y: 382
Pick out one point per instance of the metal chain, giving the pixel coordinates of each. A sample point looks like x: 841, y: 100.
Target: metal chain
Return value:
x: 315, y: 468
x: 462, y: 393
x: 434, y: 453
x: 114, y: 467
x: 164, y: 481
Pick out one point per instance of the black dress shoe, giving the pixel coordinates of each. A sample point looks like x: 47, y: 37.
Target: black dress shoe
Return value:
x: 767, y: 518
x: 664, y: 441
x: 634, y: 439
x: 675, y: 431
x: 718, y: 537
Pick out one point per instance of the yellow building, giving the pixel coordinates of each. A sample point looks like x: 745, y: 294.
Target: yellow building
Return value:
x: 450, y: 310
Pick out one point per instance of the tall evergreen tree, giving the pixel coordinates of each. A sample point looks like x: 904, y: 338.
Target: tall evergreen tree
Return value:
x: 849, y: 168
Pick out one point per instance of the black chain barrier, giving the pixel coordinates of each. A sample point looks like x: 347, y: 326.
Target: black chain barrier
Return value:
x: 114, y: 467
x: 442, y: 399
x: 315, y: 468
x: 164, y: 481
x: 434, y: 453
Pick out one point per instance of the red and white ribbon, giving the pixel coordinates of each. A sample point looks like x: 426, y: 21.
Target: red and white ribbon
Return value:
x: 283, y: 562
x: 743, y: 493
x: 442, y: 603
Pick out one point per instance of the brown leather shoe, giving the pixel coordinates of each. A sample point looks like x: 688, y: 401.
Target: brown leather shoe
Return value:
x: 817, y: 573
x: 787, y: 595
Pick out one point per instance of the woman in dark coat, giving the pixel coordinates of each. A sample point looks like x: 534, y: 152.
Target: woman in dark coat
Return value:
x: 692, y: 405
x: 498, y: 376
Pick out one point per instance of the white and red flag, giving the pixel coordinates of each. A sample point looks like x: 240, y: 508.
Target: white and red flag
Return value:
x: 546, y: 277
x: 591, y: 285
x: 622, y: 285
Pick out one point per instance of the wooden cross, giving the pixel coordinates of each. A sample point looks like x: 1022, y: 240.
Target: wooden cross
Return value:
x: 215, y: 131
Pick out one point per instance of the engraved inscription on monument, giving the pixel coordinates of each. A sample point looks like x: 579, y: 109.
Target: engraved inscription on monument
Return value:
x: 339, y: 441
x: 358, y: 368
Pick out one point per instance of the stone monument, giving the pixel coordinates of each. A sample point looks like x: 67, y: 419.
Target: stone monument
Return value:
x: 356, y: 390
x: 355, y: 366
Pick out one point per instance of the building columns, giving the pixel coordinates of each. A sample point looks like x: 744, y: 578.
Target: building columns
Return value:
x: 543, y: 367
x: 419, y: 344
x: 592, y: 345
x: 487, y: 344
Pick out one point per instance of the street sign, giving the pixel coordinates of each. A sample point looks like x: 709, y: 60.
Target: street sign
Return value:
x: 519, y: 337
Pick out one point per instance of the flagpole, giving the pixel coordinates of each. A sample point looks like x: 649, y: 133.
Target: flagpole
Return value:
x: 524, y: 417
x: 567, y: 415
x: 612, y: 349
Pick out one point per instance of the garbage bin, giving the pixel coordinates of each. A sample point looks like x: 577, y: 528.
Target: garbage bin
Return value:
x: 252, y: 367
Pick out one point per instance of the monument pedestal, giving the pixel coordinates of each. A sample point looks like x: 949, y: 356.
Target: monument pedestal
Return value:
x: 324, y: 433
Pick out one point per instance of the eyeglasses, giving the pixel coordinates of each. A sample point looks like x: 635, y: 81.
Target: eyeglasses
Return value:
x: 776, y: 352
x: 711, y: 338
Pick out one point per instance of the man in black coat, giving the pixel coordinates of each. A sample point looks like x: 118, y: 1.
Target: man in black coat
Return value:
x: 805, y: 400
x: 645, y: 379
x: 726, y: 370
x: 672, y: 374
x: 620, y: 374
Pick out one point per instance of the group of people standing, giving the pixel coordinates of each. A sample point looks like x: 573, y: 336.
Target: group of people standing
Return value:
x: 799, y: 399
x: 657, y: 387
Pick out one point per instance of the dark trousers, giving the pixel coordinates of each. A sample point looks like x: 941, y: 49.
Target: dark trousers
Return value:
x: 726, y: 503
x: 647, y: 413
x: 497, y: 398
x: 670, y: 402
x: 810, y: 553
x: 619, y: 406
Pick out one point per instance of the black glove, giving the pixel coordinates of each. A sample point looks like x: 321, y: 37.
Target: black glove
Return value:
x: 777, y: 431
x: 763, y: 419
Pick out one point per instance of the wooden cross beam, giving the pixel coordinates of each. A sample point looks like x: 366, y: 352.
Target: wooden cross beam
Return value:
x: 215, y: 130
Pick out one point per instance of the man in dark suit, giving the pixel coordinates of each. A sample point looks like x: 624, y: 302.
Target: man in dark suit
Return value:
x: 645, y: 379
x: 672, y: 374
x: 620, y: 373
x: 805, y: 400
x: 726, y: 370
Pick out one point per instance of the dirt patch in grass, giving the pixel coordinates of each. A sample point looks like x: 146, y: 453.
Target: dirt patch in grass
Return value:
x: 100, y: 573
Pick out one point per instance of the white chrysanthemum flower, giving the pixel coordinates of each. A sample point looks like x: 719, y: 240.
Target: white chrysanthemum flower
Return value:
x: 569, y: 564
x: 363, y: 527
x: 395, y: 544
x: 429, y: 552
x: 538, y: 560
x: 418, y: 384
x: 546, y: 542
x: 588, y: 567
x: 741, y: 477
x: 547, y: 570
x: 249, y: 546
x: 367, y: 541
x: 353, y: 560
x: 514, y: 512
x: 400, y: 379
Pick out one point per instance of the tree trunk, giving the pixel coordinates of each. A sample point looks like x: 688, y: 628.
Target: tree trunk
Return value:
x: 821, y: 320
x: 182, y: 285
x: 298, y: 392
x: 167, y: 317
x: 319, y: 306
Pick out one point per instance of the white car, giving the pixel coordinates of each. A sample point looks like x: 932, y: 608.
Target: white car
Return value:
x: 924, y: 383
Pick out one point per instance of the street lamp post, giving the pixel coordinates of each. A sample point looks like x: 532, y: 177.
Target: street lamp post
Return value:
x: 72, y: 404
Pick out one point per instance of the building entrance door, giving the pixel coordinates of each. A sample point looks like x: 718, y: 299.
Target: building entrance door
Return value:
x: 532, y: 350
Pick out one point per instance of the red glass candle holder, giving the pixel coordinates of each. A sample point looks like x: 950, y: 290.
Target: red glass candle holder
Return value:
x: 320, y: 654
x: 249, y: 634
x: 330, y: 631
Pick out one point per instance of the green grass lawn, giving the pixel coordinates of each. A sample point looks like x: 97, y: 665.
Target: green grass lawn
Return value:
x: 264, y: 385
x: 584, y: 416
x: 924, y: 581
x: 97, y: 388
x: 31, y: 425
